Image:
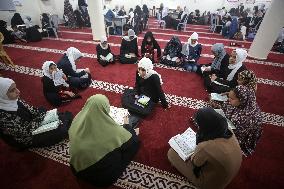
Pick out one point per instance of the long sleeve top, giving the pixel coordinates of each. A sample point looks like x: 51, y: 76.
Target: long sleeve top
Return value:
x: 20, y: 124
x: 223, y: 67
x: 151, y: 87
x: 48, y: 86
x: 145, y: 48
x: 101, y: 51
x: 66, y: 67
x: 190, y: 52
x: 234, y: 82
x: 129, y: 47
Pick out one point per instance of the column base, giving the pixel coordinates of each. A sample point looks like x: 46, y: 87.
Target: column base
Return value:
x: 257, y: 58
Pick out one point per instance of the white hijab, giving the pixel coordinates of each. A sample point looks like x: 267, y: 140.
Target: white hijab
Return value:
x: 193, y: 36
x: 186, y: 11
x: 165, y: 12
x: 240, y: 58
x: 147, y: 65
x: 130, y: 33
x: 56, y: 80
x: 103, y: 39
x: 73, y: 54
x: 5, y: 103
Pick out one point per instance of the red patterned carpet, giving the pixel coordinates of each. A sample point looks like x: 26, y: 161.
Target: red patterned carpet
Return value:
x: 48, y: 168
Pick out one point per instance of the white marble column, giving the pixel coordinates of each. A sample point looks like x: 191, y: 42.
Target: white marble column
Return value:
x: 268, y: 31
x: 95, y: 8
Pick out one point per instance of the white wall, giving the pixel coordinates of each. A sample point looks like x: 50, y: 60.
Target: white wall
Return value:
x: 34, y: 8
x: 202, y: 5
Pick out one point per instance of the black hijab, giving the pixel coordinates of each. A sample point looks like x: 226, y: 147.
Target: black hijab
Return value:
x: 173, y: 47
x: 17, y: 20
x: 211, y: 125
x: 148, y: 34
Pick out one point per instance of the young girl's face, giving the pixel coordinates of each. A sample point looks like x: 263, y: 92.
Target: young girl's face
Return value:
x: 149, y: 39
x: 193, y: 41
x: 232, y: 59
x: 233, y: 99
x: 142, y: 72
x: 104, y: 44
x: 52, y: 68
x: 13, y: 92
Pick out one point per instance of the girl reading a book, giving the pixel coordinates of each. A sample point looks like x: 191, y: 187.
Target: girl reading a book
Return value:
x: 218, y: 66
x: 129, y: 48
x: 100, y: 149
x: 77, y: 78
x: 149, y: 82
x: 217, y: 157
x: 243, y: 110
x: 149, y: 44
x: 229, y: 80
x: 104, y: 55
x: 191, y: 52
x: 19, y: 120
x: 55, y: 88
x: 172, y: 53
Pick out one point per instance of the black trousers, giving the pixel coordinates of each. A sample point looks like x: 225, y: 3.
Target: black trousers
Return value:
x: 54, y: 136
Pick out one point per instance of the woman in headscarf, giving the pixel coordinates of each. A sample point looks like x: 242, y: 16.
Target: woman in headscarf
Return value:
x: 172, y: 53
x: 55, y: 88
x: 230, y: 77
x: 76, y: 78
x: 19, y: 120
x: 100, y: 149
x: 104, y: 55
x: 217, y: 157
x: 69, y: 14
x: 145, y: 15
x: 248, y: 79
x: 244, y: 112
x: 149, y: 82
x: 183, y: 17
x: 233, y: 28
x: 218, y: 66
x: 28, y: 22
x: 17, y: 20
x: 149, y: 44
x: 129, y: 48
x: 170, y: 22
x: 8, y: 37
x: 191, y: 52
x: 138, y: 20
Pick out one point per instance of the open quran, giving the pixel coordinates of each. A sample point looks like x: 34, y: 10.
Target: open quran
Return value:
x: 184, y: 144
x: 51, y: 121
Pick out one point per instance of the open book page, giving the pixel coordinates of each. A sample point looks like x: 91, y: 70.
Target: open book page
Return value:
x: 143, y: 100
x: 184, y: 144
x: 118, y: 114
x: 109, y: 57
x: 218, y: 97
x: 50, y: 116
x: 47, y: 127
x: 230, y: 124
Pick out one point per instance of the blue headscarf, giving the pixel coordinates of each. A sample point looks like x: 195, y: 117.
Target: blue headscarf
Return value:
x: 233, y: 28
x: 219, y: 50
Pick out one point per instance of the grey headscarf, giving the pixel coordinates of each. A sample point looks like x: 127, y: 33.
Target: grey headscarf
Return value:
x: 218, y: 49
